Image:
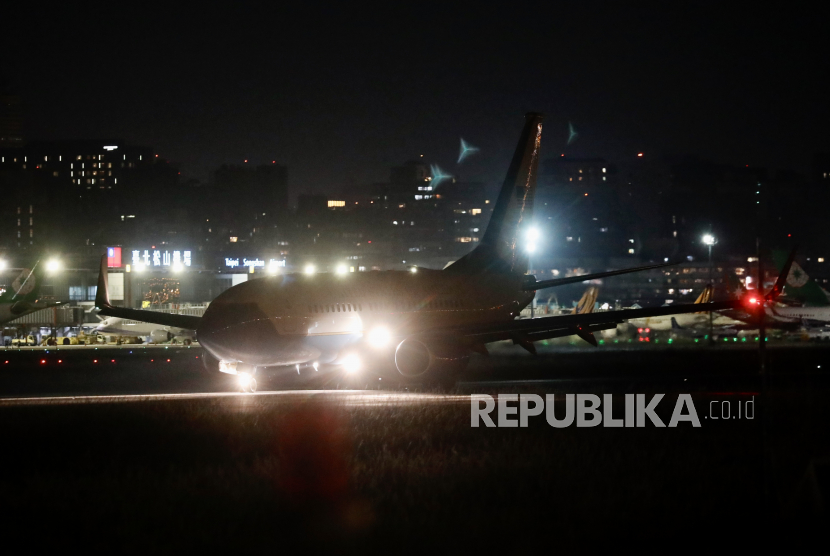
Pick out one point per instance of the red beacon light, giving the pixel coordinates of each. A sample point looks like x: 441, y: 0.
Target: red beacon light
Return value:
x: 754, y: 301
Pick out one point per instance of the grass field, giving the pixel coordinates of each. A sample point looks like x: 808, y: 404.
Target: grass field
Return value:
x: 251, y: 473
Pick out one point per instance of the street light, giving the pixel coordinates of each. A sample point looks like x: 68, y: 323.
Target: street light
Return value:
x: 532, y: 235
x: 53, y: 265
x: 709, y: 240
x: 2, y: 264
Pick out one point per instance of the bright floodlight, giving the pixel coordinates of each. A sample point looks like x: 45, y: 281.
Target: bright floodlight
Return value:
x: 139, y: 267
x: 178, y: 267
x: 351, y: 363
x: 533, y: 234
x: 341, y: 269
x: 309, y: 269
x: 413, y: 269
x: 244, y: 379
x: 379, y: 336
x: 2, y: 264
x: 531, y: 248
x: 273, y: 267
x: 709, y: 239
x: 53, y: 265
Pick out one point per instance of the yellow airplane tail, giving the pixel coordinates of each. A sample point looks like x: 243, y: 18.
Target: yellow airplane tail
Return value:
x: 587, y: 301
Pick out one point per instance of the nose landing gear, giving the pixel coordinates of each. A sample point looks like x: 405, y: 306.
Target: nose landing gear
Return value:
x: 247, y: 382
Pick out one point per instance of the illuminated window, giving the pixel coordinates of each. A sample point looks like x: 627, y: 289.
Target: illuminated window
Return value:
x: 475, y: 211
x: 631, y: 251
x: 464, y: 239
x: 821, y: 259
x: 333, y: 204
x: 234, y: 239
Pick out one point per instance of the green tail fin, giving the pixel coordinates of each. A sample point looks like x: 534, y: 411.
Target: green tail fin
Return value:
x: 799, y: 285
x: 26, y: 286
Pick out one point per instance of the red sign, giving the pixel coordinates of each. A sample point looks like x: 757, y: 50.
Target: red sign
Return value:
x: 114, y: 257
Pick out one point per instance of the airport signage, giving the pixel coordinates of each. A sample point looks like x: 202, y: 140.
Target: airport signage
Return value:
x: 237, y: 262
x: 161, y: 257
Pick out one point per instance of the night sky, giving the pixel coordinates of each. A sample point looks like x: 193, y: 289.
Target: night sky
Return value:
x: 340, y: 94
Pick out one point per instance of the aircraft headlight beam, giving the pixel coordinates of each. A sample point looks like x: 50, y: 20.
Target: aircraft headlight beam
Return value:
x: 244, y: 379
x: 351, y: 363
x: 341, y: 269
x: 379, y: 337
x: 309, y: 269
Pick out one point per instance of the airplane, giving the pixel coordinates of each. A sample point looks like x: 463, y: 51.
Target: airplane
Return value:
x: 421, y: 322
x: 154, y: 333
x: 687, y: 320
x: 801, y: 288
x: 24, y: 296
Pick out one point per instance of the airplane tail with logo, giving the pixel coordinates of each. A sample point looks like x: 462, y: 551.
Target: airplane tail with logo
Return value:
x: 26, y: 287
x: 799, y: 285
x: 503, y: 248
x: 25, y: 290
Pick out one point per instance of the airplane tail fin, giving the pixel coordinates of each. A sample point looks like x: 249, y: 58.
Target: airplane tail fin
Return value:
x: 706, y: 295
x: 26, y: 287
x: 102, y: 294
x: 798, y: 285
x: 587, y: 301
x: 674, y: 324
x: 503, y: 248
x: 783, y: 278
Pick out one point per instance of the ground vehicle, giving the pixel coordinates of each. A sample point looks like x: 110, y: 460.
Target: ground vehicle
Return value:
x: 27, y: 341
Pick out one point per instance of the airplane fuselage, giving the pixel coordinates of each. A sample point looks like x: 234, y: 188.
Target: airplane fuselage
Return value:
x: 795, y: 314
x: 298, y: 318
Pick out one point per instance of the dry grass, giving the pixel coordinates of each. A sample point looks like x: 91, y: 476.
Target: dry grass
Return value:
x: 207, y: 474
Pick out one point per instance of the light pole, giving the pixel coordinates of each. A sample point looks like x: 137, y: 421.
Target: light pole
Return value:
x: 532, y: 238
x: 709, y: 240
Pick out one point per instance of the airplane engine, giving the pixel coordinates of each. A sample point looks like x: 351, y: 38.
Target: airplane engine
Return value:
x: 159, y: 336
x: 413, y: 358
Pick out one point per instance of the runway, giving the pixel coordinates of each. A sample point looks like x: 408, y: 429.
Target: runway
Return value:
x: 347, y: 398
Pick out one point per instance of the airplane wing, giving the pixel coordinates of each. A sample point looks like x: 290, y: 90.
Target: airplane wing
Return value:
x: 542, y: 284
x: 102, y: 301
x: 583, y: 325
x: 524, y: 332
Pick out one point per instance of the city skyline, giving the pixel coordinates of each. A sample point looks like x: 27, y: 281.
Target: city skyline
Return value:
x: 341, y: 100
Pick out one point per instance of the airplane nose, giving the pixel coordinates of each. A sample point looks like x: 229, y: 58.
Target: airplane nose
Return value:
x: 239, y: 332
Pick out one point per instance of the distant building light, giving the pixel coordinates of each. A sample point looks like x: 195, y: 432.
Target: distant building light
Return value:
x: 820, y: 259
x: 640, y: 155
x: 111, y: 147
x: 603, y: 170
x: 631, y: 251
x: 234, y: 239
x: 475, y: 211
x: 333, y: 204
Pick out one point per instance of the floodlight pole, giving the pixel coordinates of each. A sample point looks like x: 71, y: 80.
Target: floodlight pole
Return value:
x: 711, y: 283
